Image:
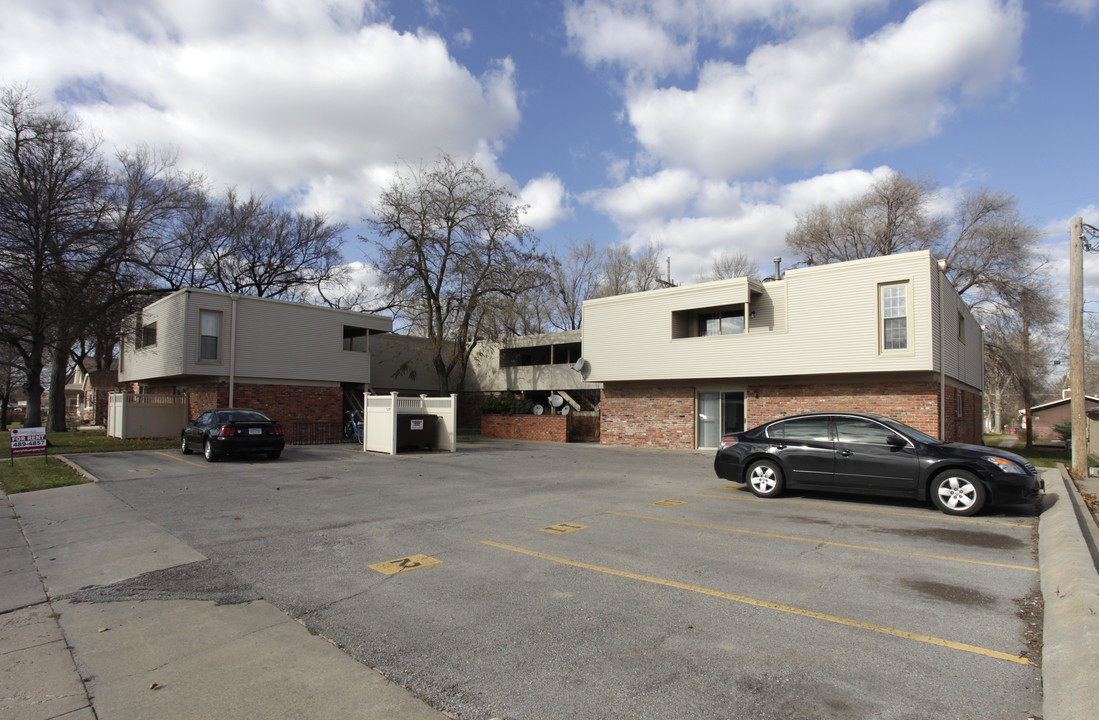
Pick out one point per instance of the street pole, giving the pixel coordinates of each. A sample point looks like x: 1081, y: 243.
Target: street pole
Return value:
x: 1078, y: 400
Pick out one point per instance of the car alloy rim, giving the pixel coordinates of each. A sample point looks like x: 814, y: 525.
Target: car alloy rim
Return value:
x: 763, y: 478
x: 957, y: 493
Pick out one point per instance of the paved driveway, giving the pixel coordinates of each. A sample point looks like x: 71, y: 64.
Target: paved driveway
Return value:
x: 541, y: 581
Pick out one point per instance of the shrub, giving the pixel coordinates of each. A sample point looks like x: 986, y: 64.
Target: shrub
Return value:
x: 506, y: 405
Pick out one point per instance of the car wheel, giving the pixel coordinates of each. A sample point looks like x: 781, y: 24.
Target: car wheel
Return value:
x: 274, y: 454
x: 958, y: 492
x: 183, y: 445
x: 765, y: 478
x: 208, y: 451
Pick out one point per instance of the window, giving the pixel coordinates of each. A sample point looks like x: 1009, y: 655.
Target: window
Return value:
x: 725, y: 322
x: 354, y: 338
x: 961, y: 328
x: 893, y: 306
x: 864, y: 432
x: 810, y: 428
x: 210, y: 331
x: 145, y: 335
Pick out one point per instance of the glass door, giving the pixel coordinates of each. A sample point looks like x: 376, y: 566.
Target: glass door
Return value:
x: 719, y: 413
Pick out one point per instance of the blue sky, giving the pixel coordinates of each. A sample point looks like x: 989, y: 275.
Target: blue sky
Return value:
x: 703, y: 125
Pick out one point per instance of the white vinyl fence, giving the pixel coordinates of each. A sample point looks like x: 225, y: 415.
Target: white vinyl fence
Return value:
x: 137, y: 415
x: 393, y: 421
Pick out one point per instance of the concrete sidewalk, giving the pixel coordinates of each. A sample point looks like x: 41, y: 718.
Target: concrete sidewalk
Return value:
x: 160, y: 659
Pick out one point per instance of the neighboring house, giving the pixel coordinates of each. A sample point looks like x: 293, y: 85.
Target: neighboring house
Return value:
x: 1044, y: 417
x: 302, y: 364
x: 682, y: 366
x: 86, y: 393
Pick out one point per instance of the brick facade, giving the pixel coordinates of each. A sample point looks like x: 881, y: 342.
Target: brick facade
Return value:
x: 550, y: 428
x: 656, y: 416
x: 660, y: 417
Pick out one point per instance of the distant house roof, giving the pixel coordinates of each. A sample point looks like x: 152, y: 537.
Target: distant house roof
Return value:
x: 1062, y: 401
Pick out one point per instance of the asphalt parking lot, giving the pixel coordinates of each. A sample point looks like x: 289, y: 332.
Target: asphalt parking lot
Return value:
x: 522, y: 580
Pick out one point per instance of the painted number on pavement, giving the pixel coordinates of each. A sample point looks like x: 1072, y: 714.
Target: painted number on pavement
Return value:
x: 562, y: 528
x: 406, y: 564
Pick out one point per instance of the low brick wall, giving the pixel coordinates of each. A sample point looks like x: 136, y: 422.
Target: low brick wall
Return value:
x: 547, y: 428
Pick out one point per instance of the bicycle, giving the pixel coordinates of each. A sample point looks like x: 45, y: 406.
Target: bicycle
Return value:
x: 352, y: 428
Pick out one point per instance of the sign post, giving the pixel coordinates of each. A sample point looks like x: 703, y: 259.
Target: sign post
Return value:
x: 28, y: 441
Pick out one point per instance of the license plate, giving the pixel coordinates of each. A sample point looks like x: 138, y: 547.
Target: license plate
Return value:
x: 255, y: 431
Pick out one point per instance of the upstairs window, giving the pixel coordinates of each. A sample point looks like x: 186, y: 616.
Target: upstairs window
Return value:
x: 723, y: 322
x: 145, y: 336
x: 893, y: 310
x: 210, y: 332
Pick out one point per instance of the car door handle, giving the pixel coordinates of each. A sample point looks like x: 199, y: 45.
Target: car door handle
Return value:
x: 846, y: 453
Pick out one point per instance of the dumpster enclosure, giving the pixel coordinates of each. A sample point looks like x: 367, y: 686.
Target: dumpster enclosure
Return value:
x: 394, y: 423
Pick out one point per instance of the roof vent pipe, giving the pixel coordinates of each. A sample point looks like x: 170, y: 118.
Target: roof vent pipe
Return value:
x: 778, y: 268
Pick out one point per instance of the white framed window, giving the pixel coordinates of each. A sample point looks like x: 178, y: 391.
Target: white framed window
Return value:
x: 209, y: 334
x: 893, y: 311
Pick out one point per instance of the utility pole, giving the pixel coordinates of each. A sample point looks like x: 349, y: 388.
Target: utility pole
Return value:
x: 1078, y: 401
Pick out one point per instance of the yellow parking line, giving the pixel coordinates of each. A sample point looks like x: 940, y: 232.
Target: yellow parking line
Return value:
x: 940, y: 516
x: 771, y: 606
x: 179, y: 459
x: 817, y: 541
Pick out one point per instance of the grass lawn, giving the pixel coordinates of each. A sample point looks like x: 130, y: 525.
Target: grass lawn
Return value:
x: 1046, y: 456
x: 32, y: 473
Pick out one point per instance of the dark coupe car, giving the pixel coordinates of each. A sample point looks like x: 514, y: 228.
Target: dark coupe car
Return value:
x: 873, y: 455
x: 227, y: 431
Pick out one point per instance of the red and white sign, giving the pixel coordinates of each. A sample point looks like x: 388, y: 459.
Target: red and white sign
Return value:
x: 28, y: 441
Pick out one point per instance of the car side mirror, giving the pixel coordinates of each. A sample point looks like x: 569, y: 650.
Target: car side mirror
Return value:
x: 896, y: 441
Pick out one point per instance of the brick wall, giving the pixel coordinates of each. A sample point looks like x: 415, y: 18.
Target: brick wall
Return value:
x: 661, y: 417
x: 664, y: 416
x: 550, y: 428
x: 912, y: 403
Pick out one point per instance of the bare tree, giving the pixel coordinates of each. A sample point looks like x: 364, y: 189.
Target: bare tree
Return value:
x: 450, y: 245
x: 625, y: 271
x: 892, y: 216
x: 726, y: 267
x: 54, y: 195
x: 576, y: 276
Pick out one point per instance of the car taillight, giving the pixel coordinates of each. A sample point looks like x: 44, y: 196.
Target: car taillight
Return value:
x: 728, y: 441
x: 227, y: 432
x: 278, y: 430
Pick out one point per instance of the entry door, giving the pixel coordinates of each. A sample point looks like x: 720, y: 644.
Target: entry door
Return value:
x: 719, y: 413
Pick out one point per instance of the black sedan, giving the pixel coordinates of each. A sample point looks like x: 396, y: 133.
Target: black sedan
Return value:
x: 227, y: 431
x: 873, y: 455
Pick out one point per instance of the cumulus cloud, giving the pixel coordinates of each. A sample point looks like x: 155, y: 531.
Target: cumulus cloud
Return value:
x: 827, y: 96
x: 696, y: 219
x: 546, y: 202
x: 313, y: 101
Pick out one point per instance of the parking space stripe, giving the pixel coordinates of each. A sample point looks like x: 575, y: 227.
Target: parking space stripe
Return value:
x: 817, y: 541
x: 178, y: 458
x: 1024, y: 525
x: 996, y: 654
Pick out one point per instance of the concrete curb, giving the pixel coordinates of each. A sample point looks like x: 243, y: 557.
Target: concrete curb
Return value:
x: 1070, y: 591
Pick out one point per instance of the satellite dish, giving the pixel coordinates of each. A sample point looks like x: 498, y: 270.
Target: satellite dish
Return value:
x: 565, y: 410
x: 579, y: 365
x: 538, y: 409
x: 556, y: 400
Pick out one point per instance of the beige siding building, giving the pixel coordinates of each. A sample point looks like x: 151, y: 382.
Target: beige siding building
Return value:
x: 682, y: 366
x: 299, y: 363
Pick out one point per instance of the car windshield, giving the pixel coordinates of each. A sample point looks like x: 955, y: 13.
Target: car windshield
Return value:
x: 911, y: 432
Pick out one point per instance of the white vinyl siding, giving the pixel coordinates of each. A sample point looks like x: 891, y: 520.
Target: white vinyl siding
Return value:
x: 816, y: 321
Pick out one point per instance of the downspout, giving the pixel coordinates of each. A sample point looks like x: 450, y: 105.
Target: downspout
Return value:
x: 233, y: 349
x: 942, y: 365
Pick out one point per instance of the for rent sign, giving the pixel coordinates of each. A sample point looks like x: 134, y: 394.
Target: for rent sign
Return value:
x: 28, y: 441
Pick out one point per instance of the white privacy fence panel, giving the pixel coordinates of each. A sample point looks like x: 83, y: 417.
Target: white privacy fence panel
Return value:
x: 137, y: 415
x: 382, y: 414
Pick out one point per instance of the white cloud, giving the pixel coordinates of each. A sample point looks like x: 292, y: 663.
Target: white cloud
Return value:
x: 1084, y: 8
x: 546, y: 200
x: 308, y: 100
x: 642, y: 200
x: 826, y: 96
